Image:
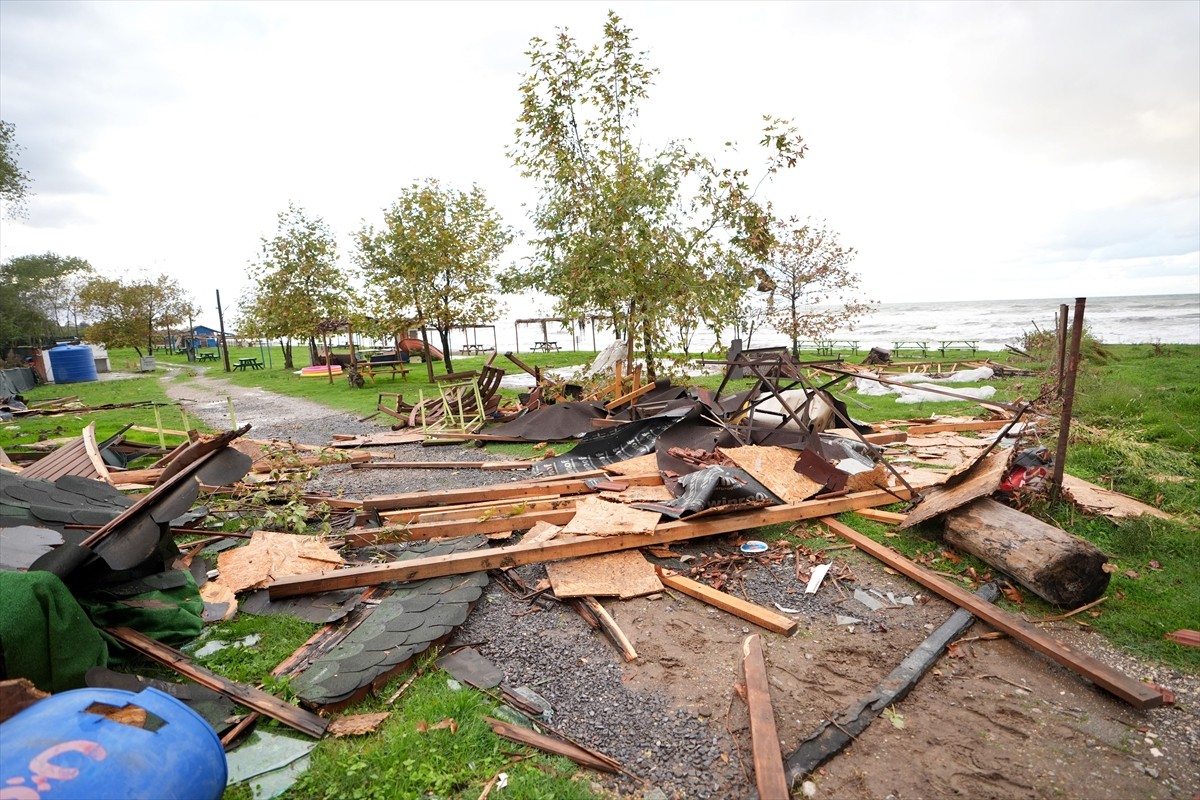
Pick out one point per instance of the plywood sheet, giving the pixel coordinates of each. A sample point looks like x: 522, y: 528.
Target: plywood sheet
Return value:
x: 774, y: 467
x: 1098, y: 500
x: 271, y: 555
x: 541, y: 532
x: 597, y: 517
x: 623, y: 574
x: 979, y: 480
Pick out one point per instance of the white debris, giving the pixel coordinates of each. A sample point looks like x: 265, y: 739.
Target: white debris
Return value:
x: 867, y: 600
x: 814, y: 581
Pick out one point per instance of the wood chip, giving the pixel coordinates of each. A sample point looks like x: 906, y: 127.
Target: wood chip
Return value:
x: 597, y: 517
x: 541, y: 532
x: 357, y: 724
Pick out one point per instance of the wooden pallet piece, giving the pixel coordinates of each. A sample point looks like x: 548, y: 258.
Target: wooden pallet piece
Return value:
x: 518, y: 554
x: 1134, y: 692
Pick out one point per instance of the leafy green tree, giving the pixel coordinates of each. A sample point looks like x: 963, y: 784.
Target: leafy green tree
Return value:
x: 653, y: 237
x: 14, y: 181
x: 812, y: 290
x: 436, y: 254
x: 36, y: 294
x: 131, y: 313
x: 297, y: 284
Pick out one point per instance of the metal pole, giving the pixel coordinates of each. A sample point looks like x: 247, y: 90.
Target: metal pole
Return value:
x: 1064, y: 421
x: 1062, y: 346
x: 224, y: 344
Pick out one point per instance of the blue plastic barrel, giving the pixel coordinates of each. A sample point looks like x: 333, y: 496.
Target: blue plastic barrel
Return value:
x: 72, y: 363
x: 57, y: 750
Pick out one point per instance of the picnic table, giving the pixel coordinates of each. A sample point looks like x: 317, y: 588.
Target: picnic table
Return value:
x: 473, y: 349
x: 252, y: 363
x: 369, y: 369
x: 209, y: 356
x: 546, y: 347
x: 971, y: 344
x: 922, y: 346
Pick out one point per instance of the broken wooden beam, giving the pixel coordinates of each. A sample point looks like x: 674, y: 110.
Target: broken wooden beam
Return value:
x: 1134, y: 692
x: 266, y: 704
x: 886, y: 517
x: 610, y: 627
x: 769, y: 776
x: 1062, y: 569
x: 942, y: 427
x: 549, y: 744
x: 832, y: 736
x: 419, y: 531
x: 518, y: 554
x: 764, y: 618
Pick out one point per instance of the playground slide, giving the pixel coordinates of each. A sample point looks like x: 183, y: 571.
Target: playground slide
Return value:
x: 416, y: 346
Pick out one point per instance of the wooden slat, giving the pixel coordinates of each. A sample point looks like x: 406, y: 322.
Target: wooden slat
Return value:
x: 515, y: 555
x: 610, y: 627
x: 484, y: 465
x: 256, y: 699
x: 980, y: 425
x: 623, y: 399
x: 889, y: 517
x: 93, y: 452
x: 1131, y: 691
x: 764, y: 618
x: 769, y: 776
x: 421, y: 531
x: 549, y: 744
x: 502, y: 491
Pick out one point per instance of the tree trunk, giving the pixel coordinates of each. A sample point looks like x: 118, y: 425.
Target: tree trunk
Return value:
x: 1059, y: 568
x: 286, y: 347
x: 444, y: 336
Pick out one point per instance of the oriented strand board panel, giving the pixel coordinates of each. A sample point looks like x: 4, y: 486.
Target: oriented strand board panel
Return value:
x: 623, y: 574
x: 597, y: 517
x: 640, y: 494
x: 271, y: 555
x: 978, y: 480
x: 642, y: 465
x: 774, y: 467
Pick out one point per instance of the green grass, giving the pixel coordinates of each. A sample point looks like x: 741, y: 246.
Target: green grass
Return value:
x: 26, y: 430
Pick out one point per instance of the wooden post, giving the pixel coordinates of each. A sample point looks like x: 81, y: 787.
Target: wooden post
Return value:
x: 328, y: 356
x: 350, y: 336
x: 1064, y: 420
x: 221, y: 321
x: 1061, y: 343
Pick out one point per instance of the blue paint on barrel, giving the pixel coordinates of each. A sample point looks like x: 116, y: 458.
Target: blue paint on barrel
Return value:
x: 72, y: 363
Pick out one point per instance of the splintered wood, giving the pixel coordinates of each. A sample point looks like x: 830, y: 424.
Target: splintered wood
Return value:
x: 1096, y: 500
x: 597, y: 517
x: 623, y: 574
x: 978, y: 480
x: 774, y: 467
x: 642, y: 465
x: 270, y: 556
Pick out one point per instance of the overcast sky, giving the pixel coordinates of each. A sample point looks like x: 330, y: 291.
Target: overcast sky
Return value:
x: 967, y: 150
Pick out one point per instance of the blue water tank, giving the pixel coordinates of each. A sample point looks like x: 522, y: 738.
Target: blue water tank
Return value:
x: 67, y: 747
x: 72, y: 363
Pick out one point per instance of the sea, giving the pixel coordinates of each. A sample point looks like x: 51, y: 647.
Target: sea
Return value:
x: 1143, y: 319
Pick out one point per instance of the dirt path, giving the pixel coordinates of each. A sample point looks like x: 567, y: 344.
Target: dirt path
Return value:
x: 997, y: 722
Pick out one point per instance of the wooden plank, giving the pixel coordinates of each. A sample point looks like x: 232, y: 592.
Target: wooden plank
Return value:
x: 484, y: 465
x: 166, y: 431
x: 627, y: 398
x: 610, y: 627
x: 624, y: 574
x: 500, y: 491
x: 490, y: 510
x: 93, y: 452
x: 518, y: 554
x: 979, y: 425
x: 760, y: 616
x: 769, y: 776
x: 549, y: 744
x: 1131, y: 691
x: 980, y: 479
x: 256, y: 699
x: 595, y: 516
x: 421, y: 531
x: 888, y: 517
x: 881, y: 437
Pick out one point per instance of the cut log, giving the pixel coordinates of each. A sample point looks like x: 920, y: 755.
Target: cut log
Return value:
x: 1059, y: 568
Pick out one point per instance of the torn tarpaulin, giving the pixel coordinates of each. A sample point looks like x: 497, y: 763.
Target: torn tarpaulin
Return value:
x: 711, y: 488
x: 610, y: 445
